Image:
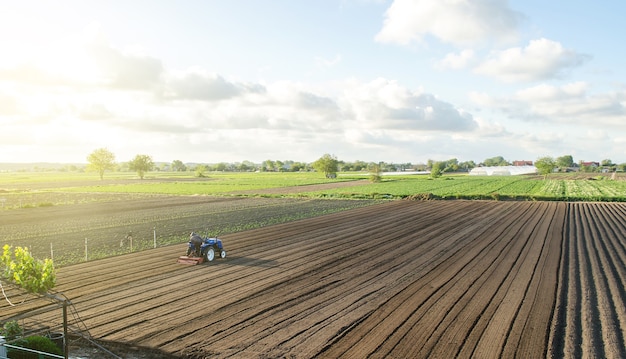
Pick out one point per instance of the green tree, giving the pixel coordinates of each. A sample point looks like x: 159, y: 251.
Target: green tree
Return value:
x: 375, y: 173
x: 178, y: 166
x: 327, y: 164
x: 267, y: 166
x: 565, y: 161
x: 606, y: 163
x: 451, y: 165
x: 467, y: 165
x: 23, y: 269
x: 545, y: 166
x: 246, y: 166
x: 496, y: 161
x: 141, y: 164
x: 101, y: 160
x: 359, y: 165
x: 437, y: 169
x: 200, y: 170
x: 295, y: 166
x: 221, y: 167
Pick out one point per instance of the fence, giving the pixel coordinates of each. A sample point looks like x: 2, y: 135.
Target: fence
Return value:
x: 92, y: 247
x: 129, y: 238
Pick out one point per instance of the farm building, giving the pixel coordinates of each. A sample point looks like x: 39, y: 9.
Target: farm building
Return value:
x: 503, y: 170
x: 522, y: 163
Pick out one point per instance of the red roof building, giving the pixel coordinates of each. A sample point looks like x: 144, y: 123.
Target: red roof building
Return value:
x: 522, y: 163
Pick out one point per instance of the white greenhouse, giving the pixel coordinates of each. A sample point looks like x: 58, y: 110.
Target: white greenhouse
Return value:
x: 503, y: 171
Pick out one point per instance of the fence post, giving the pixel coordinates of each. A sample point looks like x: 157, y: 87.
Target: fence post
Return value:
x: 3, y: 349
x: 86, y: 257
x: 66, y: 342
x: 154, y: 231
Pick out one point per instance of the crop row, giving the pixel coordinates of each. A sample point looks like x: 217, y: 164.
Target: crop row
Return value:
x: 104, y: 232
x: 466, y: 187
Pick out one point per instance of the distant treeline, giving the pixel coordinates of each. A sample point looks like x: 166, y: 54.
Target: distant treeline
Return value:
x: 563, y: 163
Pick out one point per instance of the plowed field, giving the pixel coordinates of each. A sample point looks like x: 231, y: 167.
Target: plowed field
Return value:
x: 403, y: 279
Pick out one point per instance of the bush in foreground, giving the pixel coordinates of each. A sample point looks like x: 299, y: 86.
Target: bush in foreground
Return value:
x: 38, y: 343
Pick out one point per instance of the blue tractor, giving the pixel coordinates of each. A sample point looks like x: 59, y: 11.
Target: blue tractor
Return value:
x: 202, y: 249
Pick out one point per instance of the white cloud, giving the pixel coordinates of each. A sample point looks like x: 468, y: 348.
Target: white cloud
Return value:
x: 197, y: 84
x: 542, y: 59
x: 204, y: 112
x: 490, y: 129
x: 482, y: 99
x: 456, y: 22
x: 384, y: 103
x: 597, y: 135
x: 569, y: 104
x: 125, y: 70
x: 456, y: 61
x: 544, y: 92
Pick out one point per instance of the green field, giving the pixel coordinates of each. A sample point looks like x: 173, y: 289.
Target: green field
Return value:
x: 556, y: 188
x: 42, y: 189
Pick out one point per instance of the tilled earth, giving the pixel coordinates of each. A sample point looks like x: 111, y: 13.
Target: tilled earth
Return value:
x: 402, y: 279
x: 69, y: 233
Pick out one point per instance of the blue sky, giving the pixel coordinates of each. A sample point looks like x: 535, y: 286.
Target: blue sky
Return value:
x: 394, y: 81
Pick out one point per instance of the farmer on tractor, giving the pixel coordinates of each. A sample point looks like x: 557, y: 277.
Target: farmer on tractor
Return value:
x: 196, y: 240
x: 202, y: 249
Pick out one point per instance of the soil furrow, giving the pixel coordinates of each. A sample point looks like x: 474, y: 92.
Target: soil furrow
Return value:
x: 394, y: 280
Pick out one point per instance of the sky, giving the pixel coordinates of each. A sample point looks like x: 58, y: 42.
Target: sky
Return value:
x: 246, y: 80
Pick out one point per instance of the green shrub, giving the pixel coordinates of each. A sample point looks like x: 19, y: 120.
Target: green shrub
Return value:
x: 31, y: 274
x: 11, y: 330
x: 375, y: 178
x: 39, y: 343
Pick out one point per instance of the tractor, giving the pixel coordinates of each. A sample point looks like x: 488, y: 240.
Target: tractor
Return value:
x: 206, y: 252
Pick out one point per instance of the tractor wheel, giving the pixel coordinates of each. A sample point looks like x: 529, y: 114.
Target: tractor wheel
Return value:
x: 210, y: 254
x: 223, y: 254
